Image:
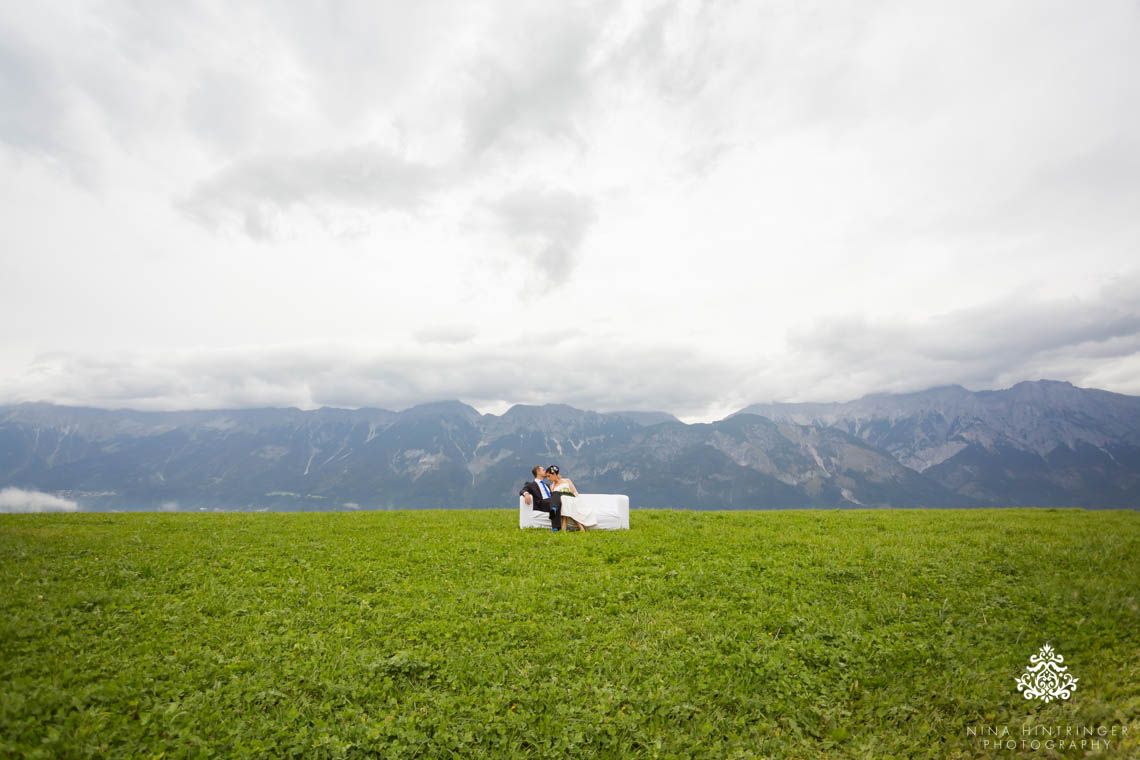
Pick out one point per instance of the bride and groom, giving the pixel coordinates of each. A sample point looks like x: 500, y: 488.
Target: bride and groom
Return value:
x: 551, y: 493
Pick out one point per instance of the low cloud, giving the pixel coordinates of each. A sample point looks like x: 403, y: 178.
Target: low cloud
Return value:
x: 1085, y: 341
x: 605, y: 377
x: 168, y: 506
x: 20, y: 500
x: 1090, y: 342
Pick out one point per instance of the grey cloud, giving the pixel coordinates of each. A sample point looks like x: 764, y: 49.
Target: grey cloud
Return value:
x: 532, y: 85
x: 588, y: 376
x: 548, y: 226
x: 534, y: 78
x: 223, y: 108
x: 34, y: 104
x: 545, y: 226
x: 1024, y: 148
x: 449, y: 334
x: 1078, y: 197
x: 361, y: 57
x: 979, y: 347
x: 77, y: 80
x: 527, y: 82
x: 679, y: 71
x: 601, y: 377
x: 1104, y: 171
x: 254, y: 190
x: 1093, y: 342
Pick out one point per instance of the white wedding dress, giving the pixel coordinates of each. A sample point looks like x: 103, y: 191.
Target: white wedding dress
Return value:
x: 572, y: 507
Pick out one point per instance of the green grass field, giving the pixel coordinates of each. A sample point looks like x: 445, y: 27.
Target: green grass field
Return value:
x: 803, y: 634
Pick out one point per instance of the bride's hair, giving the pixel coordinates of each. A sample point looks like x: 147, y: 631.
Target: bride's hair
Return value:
x: 553, y: 468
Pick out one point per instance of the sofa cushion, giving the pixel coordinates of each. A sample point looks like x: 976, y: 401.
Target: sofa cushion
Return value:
x: 612, y: 511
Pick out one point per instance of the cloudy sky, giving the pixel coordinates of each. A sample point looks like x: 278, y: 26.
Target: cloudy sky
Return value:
x: 682, y: 206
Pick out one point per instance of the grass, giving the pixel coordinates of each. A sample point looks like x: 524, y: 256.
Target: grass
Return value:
x: 803, y: 634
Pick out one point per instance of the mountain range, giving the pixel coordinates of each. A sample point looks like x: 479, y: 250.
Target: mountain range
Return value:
x: 1041, y: 443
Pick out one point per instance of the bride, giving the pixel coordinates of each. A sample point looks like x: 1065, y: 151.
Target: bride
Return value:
x: 571, y: 507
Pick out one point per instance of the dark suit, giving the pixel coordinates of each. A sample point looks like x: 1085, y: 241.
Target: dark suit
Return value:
x: 552, y: 506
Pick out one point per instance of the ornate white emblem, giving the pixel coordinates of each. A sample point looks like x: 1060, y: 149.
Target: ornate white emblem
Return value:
x: 1045, y: 677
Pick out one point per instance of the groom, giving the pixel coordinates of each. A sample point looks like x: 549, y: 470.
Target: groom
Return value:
x: 537, y: 494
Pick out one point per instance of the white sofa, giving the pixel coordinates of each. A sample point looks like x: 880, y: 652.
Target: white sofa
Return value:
x: 612, y: 510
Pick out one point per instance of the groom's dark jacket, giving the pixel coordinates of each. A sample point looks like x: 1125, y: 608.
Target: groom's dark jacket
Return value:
x: 537, y: 501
